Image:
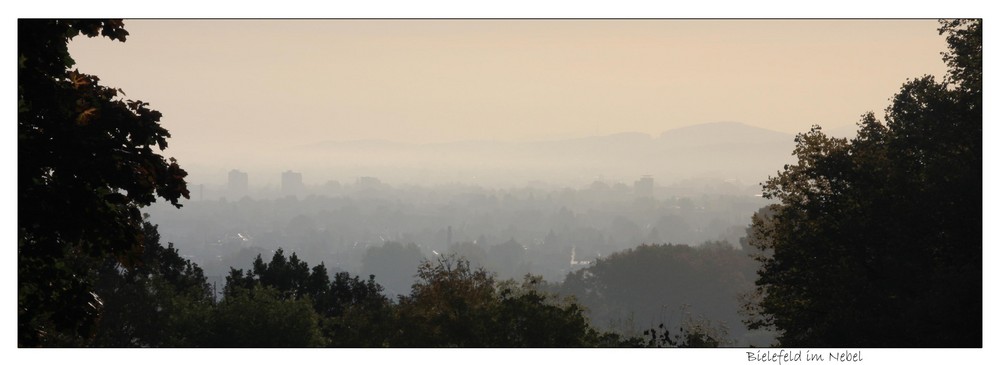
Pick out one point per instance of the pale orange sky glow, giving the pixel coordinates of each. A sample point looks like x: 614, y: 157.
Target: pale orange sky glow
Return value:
x: 243, y: 87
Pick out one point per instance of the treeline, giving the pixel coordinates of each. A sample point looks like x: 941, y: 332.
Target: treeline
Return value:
x: 285, y: 302
x: 877, y: 241
x: 696, y: 288
x: 549, y: 222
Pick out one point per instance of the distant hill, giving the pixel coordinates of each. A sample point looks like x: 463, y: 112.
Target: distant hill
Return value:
x: 722, y: 133
x: 726, y: 149
x: 729, y: 149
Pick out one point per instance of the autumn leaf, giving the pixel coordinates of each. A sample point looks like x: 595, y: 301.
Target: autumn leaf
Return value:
x: 78, y: 79
x: 86, y: 116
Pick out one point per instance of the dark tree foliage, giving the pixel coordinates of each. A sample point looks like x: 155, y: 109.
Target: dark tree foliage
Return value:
x: 394, y: 264
x: 528, y: 317
x: 453, y: 305
x: 291, y: 276
x: 649, y: 285
x: 449, y: 306
x: 507, y: 259
x: 164, y: 302
x: 261, y: 317
x: 283, y: 304
x: 352, y: 312
x: 357, y: 313
x: 87, y: 161
x: 877, y: 241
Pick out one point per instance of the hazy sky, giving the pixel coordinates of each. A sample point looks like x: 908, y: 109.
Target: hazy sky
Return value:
x: 244, y: 85
x: 232, y: 87
x: 297, y: 81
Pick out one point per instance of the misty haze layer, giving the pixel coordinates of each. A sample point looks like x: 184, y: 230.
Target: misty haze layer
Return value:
x: 726, y: 150
x: 244, y: 93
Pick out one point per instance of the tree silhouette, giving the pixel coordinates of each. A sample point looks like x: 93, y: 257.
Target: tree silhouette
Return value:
x: 262, y: 318
x: 448, y: 307
x: 394, y: 264
x: 86, y: 164
x: 350, y: 312
x: 165, y: 302
x: 455, y: 305
x: 877, y: 241
x: 648, y: 285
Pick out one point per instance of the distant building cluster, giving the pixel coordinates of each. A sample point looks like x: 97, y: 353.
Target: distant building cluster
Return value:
x: 644, y: 187
x: 291, y: 183
x: 368, y: 182
x: 239, y: 183
x: 238, y: 186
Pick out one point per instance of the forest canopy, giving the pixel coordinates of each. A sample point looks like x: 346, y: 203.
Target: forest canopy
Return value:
x: 88, y: 160
x: 877, y: 241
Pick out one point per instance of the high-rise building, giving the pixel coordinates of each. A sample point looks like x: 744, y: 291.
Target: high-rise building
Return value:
x: 291, y: 183
x: 644, y: 187
x: 368, y: 182
x: 238, y: 183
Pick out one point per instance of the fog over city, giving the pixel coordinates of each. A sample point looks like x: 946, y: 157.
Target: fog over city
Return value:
x: 619, y: 167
